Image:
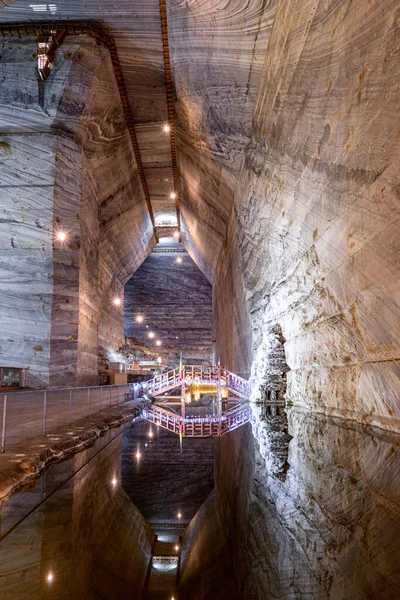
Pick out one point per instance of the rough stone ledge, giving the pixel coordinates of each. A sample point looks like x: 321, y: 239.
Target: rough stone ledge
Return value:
x: 16, y: 473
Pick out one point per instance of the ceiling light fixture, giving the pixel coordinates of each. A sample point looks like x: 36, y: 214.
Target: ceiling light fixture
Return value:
x: 151, y: 334
x: 172, y: 195
x: 61, y: 235
x: 178, y: 260
x: 167, y: 128
x: 117, y: 301
x: 139, y: 319
x: 158, y: 343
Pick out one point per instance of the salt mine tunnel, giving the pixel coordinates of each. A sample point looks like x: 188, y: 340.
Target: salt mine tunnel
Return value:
x: 199, y: 299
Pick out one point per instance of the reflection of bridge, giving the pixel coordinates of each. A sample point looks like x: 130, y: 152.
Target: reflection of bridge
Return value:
x: 193, y: 382
x: 197, y: 426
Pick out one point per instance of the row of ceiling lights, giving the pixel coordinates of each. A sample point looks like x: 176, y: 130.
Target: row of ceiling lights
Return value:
x: 62, y: 235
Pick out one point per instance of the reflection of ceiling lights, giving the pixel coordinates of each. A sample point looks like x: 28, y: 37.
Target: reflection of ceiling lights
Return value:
x: 49, y: 577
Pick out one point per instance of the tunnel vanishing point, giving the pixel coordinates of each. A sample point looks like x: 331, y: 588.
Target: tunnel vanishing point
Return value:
x: 200, y: 299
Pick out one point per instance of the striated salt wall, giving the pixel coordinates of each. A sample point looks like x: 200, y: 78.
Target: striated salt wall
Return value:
x: 67, y: 164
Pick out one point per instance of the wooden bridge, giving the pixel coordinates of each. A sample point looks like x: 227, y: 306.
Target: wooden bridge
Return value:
x: 207, y: 380
x: 198, y: 374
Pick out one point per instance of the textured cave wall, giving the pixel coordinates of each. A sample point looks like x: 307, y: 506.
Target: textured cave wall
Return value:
x: 217, y: 51
x: 67, y: 163
x: 175, y: 301
x: 317, y: 205
x: 207, y: 569
x: 231, y: 318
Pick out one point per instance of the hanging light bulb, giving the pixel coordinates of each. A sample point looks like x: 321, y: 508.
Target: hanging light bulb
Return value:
x: 151, y: 335
x: 158, y: 343
x: 117, y: 301
x: 178, y: 260
x: 176, y: 234
x: 172, y: 195
x: 167, y: 128
x: 139, y: 319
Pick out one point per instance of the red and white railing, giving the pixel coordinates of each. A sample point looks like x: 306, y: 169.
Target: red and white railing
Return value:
x: 214, y: 426
x: 197, y: 374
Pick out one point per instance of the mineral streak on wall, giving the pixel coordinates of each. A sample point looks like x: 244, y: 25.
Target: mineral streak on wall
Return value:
x: 67, y: 165
x: 175, y: 301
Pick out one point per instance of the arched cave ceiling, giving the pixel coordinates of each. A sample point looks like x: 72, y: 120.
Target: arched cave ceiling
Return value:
x: 217, y: 50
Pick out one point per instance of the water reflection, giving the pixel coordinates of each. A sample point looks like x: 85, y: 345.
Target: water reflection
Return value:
x: 332, y: 529
x: 87, y: 540
x: 327, y: 527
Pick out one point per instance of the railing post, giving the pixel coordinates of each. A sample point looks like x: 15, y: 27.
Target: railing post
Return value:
x: 101, y: 397
x: 110, y: 394
x: 88, y: 402
x: 118, y: 395
x: 3, y: 429
x: 70, y: 406
x: 44, y: 412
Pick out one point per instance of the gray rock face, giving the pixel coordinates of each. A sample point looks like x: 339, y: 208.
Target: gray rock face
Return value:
x: 316, y: 206
x: 175, y: 303
x: 58, y: 167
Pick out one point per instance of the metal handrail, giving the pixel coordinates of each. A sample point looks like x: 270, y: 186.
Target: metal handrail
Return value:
x: 48, y: 409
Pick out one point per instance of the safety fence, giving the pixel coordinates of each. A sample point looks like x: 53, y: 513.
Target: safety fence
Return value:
x: 28, y: 414
x: 197, y: 374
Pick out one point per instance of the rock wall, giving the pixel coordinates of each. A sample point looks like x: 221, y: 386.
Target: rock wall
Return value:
x: 317, y: 205
x: 176, y: 303
x: 217, y: 51
x: 60, y: 150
